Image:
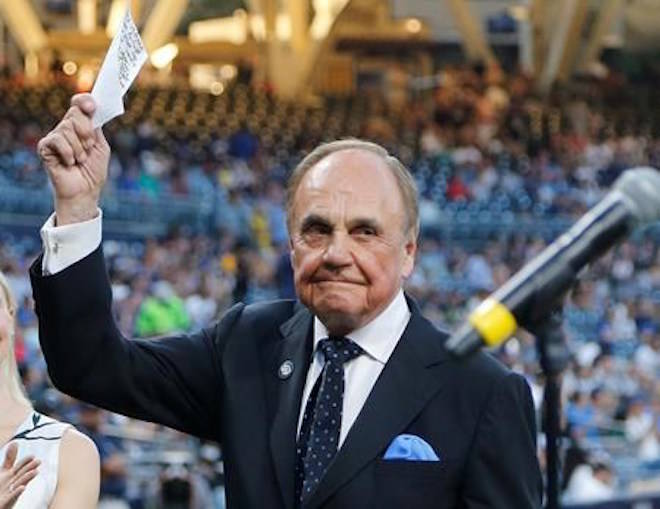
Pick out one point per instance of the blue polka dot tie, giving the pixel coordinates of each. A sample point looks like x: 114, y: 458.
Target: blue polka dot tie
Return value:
x: 319, y: 432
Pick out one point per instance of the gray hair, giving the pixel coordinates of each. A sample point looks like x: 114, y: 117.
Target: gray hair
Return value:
x: 8, y: 367
x: 404, y: 179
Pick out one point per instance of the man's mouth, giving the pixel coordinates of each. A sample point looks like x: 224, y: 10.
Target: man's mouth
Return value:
x: 336, y: 281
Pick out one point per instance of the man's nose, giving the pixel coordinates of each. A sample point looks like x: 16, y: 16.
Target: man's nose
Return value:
x: 337, y: 252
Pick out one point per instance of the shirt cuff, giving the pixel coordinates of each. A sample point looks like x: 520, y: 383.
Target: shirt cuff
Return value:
x: 65, y: 245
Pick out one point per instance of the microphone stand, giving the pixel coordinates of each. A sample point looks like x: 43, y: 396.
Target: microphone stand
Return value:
x: 554, y: 356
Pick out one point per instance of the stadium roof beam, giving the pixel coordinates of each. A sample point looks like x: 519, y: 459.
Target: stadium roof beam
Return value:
x: 162, y: 23
x: 607, y: 14
x: 299, y: 13
x: 213, y: 52
x: 568, y: 17
x: 71, y: 43
x: 293, y: 72
x: 573, y: 42
x: 537, y: 10
x: 474, y: 40
x: 74, y: 42
x: 290, y: 70
x: 270, y: 16
x: 267, y: 9
x: 116, y: 14
x: 24, y: 25
x: 86, y: 16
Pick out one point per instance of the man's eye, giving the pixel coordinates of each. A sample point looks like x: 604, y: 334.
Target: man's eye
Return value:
x: 316, y: 229
x: 365, y: 230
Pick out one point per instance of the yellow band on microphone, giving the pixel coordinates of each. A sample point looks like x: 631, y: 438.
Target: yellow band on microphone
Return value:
x: 493, y: 321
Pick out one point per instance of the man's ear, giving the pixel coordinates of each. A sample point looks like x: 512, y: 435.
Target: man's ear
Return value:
x: 410, y: 251
x: 292, y: 252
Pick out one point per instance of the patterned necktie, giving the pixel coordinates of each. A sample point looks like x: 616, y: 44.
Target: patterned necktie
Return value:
x: 319, y: 432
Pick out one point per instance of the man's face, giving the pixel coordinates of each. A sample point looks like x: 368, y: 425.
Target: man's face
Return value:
x: 350, y: 248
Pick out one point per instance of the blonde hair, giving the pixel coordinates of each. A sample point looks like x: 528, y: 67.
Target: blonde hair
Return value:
x: 8, y: 367
x: 404, y: 179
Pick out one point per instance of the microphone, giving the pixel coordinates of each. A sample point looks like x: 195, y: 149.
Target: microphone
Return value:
x: 528, y: 296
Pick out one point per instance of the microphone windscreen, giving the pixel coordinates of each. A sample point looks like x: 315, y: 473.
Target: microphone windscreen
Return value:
x: 640, y: 188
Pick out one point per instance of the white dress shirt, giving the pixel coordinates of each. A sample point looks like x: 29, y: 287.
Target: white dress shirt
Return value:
x: 378, y: 339
x: 65, y: 245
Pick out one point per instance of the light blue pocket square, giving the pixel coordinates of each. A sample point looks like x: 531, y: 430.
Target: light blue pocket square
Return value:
x: 410, y: 448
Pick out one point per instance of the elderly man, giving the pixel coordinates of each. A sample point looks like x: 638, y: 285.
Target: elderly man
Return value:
x: 343, y: 399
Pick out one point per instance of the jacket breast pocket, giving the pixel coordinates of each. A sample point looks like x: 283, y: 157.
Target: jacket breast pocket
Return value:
x: 413, y: 484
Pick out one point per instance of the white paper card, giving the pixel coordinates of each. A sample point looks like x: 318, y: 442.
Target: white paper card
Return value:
x: 124, y: 59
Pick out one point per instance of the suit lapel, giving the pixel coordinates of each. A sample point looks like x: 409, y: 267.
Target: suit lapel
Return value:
x: 284, y: 395
x: 408, y: 380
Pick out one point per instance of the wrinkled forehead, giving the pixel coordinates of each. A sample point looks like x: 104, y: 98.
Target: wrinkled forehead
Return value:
x: 355, y: 179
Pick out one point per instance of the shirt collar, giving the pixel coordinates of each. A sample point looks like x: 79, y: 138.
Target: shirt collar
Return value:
x: 379, y: 337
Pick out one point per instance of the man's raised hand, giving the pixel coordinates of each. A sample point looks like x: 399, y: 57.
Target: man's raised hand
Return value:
x: 76, y: 157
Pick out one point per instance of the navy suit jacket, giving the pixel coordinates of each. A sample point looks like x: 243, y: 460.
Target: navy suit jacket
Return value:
x: 222, y: 384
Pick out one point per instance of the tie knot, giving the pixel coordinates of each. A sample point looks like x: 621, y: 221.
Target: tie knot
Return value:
x: 339, y: 350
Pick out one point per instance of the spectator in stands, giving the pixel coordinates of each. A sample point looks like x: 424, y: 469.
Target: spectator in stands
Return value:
x: 639, y: 421
x: 180, y: 487
x: 591, y: 482
x: 161, y: 312
x: 69, y: 472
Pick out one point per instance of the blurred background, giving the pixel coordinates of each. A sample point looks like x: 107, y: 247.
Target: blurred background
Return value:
x: 514, y: 117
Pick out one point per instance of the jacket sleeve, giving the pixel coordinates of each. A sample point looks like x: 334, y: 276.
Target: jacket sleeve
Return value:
x: 502, y: 468
x: 175, y: 381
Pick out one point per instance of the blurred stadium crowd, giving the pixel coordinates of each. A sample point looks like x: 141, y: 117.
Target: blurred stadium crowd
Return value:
x: 500, y: 174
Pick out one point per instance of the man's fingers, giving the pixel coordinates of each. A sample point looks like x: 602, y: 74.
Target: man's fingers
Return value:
x: 81, y: 124
x: 99, y: 138
x: 68, y: 132
x: 85, y: 102
x: 74, y: 136
x: 55, y: 144
x: 10, y: 456
x: 83, y: 128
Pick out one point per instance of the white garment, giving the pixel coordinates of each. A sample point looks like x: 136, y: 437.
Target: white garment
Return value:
x: 378, y: 339
x: 649, y: 448
x: 584, y: 488
x: 39, y: 436
x: 637, y: 426
x: 67, y: 244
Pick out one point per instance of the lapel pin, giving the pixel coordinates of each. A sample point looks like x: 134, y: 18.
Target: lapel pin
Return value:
x: 286, y: 368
